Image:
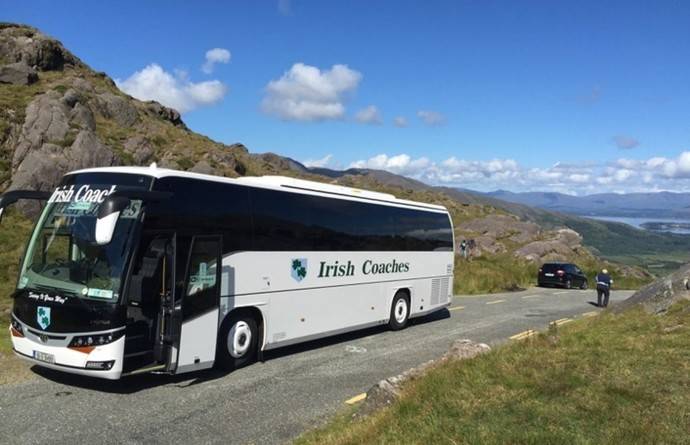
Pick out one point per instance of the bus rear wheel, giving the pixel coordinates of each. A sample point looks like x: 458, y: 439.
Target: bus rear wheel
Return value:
x: 400, y: 311
x: 237, y: 342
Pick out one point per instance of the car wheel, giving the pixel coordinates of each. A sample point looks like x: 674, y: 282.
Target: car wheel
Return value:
x: 584, y: 285
x: 400, y: 311
x: 237, y: 342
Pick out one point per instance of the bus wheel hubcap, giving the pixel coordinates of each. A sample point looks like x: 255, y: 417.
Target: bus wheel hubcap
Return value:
x: 400, y: 310
x: 239, y: 339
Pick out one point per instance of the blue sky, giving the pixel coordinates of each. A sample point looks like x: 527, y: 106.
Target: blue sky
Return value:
x: 576, y: 97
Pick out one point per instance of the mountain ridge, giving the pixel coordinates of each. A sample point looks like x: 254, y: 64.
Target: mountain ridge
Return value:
x: 664, y: 204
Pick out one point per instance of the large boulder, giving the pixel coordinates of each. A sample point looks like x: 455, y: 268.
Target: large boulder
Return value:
x: 118, y: 108
x: 658, y: 296
x: 140, y: 149
x: 569, y: 237
x: 18, y: 73
x: 540, y: 251
x: 502, y: 226
x: 46, y: 121
x: 203, y: 167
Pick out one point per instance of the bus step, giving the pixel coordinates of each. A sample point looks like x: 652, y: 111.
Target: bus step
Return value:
x: 145, y: 369
x: 135, y: 354
x: 134, y: 337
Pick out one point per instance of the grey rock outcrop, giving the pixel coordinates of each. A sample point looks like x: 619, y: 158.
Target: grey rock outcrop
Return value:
x: 118, y: 108
x: 58, y: 136
x: 47, y: 121
x: 551, y: 250
x: 658, y: 296
x: 18, y: 73
x: 203, y: 167
x: 492, y: 232
x: 168, y: 114
x: 19, y: 43
x: 140, y: 149
x: 502, y: 226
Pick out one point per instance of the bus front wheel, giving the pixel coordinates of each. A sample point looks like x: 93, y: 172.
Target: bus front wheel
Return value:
x: 400, y: 311
x: 237, y: 342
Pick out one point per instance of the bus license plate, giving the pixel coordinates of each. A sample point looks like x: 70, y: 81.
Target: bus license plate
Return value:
x: 42, y: 356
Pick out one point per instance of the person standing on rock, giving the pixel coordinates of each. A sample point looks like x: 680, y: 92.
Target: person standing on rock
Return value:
x: 604, y: 283
x: 463, y: 249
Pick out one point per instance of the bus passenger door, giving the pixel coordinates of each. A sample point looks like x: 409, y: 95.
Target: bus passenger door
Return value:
x: 151, y: 329
x: 200, y: 304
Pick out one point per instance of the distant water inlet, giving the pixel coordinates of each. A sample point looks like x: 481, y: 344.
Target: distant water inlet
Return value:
x: 680, y: 226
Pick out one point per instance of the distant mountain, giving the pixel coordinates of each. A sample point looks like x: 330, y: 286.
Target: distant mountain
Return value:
x: 643, y: 205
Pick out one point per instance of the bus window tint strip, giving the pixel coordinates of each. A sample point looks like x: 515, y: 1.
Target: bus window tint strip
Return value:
x: 301, y: 222
x: 252, y: 218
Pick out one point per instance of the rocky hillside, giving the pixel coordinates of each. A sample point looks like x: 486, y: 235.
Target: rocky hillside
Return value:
x: 58, y: 115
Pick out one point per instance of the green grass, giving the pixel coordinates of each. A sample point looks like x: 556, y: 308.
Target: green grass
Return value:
x: 492, y: 273
x: 504, y: 272
x: 14, y: 233
x: 613, y: 379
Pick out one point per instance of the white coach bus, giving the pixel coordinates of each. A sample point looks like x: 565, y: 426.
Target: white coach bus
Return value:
x: 136, y: 269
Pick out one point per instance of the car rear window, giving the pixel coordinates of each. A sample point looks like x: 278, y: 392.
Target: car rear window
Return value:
x: 550, y: 268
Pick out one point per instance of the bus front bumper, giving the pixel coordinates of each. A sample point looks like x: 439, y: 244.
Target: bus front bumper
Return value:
x: 104, y: 361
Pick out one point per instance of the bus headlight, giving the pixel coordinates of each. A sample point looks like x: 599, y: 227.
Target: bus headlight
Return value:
x: 81, y: 341
x: 16, y: 328
x: 104, y: 366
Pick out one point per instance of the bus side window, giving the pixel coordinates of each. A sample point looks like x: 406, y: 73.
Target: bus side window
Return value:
x: 201, y: 292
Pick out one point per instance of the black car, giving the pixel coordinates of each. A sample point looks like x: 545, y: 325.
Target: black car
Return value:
x: 562, y: 274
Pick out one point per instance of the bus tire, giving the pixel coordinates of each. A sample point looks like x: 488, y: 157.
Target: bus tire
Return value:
x: 400, y: 311
x: 237, y: 342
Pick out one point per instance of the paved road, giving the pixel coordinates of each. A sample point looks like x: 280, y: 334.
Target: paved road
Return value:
x: 270, y: 402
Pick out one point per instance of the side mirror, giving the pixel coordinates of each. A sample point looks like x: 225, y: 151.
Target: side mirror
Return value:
x: 9, y: 198
x: 108, y: 214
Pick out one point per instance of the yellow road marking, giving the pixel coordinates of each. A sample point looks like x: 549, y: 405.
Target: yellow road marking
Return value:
x: 562, y: 321
x: 524, y: 334
x: 531, y: 296
x: 456, y: 308
x: 495, y: 302
x: 356, y: 399
x: 590, y: 314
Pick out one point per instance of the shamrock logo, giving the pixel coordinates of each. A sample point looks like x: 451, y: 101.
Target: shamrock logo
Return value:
x: 299, y: 269
x: 43, y: 316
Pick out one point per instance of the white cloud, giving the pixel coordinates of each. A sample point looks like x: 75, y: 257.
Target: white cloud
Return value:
x: 213, y: 56
x: 154, y: 83
x: 630, y: 175
x: 319, y: 163
x: 625, y: 142
x: 305, y: 93
x: 431, y: 118
x: 401, y: 164
x: 369, y: 115
x: 400, y: 121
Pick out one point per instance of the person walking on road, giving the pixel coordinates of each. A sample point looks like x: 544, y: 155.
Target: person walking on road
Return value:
x: 604, y: 283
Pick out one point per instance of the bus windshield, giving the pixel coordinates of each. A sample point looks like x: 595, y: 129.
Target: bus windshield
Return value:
x: 62, y: 255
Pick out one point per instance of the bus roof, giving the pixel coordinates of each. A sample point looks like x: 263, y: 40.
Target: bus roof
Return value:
x: 271, y: 182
